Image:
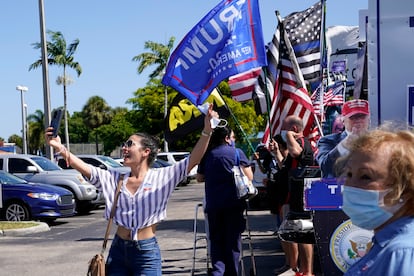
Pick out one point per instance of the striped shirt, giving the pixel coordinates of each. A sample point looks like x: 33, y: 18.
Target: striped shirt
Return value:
x: 149, y: 203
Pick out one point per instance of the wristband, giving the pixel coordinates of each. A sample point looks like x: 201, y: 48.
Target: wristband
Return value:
x: 206, y: 134
x: 62, y: 149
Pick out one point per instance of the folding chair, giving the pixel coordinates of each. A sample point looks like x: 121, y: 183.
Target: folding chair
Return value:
x: 200, y: 236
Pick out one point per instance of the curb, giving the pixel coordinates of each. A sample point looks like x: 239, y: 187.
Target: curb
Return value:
x: 40, y: 227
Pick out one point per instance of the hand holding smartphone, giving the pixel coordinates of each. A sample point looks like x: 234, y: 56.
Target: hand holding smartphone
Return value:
x: 56, y: 119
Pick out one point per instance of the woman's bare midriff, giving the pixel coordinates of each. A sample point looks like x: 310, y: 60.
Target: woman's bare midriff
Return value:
x: 143, y: 234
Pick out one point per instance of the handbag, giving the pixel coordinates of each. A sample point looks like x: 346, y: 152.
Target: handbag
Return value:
x: 244, y: 187
x: 97, y: 265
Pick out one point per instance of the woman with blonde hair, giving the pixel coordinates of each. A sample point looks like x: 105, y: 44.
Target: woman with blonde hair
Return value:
x: 378, y: 195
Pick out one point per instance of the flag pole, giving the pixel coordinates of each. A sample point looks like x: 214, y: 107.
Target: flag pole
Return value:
x: 236, y: 121
x: 267, y: 101
x: 324, y: 67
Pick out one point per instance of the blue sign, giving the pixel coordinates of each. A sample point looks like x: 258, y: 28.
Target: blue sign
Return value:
x: 338, y: 66
x: 323, y: 194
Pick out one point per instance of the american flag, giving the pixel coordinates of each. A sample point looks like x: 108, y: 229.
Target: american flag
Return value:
x: 291, y: 96
x: 267, y: 80
x: 304, y: 32
x: 242, y: 85
x: 334, y: 95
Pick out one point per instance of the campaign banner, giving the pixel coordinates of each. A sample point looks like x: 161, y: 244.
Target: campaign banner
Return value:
x: 323, y: 194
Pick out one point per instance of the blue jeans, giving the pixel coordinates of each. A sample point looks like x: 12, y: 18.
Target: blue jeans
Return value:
x: 134, y: 258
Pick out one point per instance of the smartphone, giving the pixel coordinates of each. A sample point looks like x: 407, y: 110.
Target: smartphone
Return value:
x: 56, y: 119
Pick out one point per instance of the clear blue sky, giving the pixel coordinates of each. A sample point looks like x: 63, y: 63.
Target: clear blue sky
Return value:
x: 110, y: 34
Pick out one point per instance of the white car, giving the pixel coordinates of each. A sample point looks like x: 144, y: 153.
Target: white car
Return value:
x: 175, y: 156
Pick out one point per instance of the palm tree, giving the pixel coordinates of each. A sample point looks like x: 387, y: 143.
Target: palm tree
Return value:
x: 159, y: 55
x: 37, y: 130
x: 96, y: 112
x: 61, y: 55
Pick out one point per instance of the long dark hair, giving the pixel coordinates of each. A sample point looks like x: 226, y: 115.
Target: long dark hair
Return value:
x: 219, y: 137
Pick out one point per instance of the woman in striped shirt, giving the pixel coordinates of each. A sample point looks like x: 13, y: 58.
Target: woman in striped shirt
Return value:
x: 143, y: 197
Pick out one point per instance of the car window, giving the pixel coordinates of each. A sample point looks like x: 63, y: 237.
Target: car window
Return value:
x: 91, y: 161
x: 109, y: 161
x: 17, y: 165
x: 162, y: 157
x: 179, y: 157
x: 6, y: 178
x: 1, y: 164
x: 62, y: 163
x: 45, y: 163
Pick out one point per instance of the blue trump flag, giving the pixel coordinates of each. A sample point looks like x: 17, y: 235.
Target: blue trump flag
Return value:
x: 227, y: 41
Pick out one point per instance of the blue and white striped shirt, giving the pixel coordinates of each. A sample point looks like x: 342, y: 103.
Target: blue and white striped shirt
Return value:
x: 148, y: 205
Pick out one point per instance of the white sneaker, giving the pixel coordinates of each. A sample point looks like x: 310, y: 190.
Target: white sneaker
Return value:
x: 289, y: 272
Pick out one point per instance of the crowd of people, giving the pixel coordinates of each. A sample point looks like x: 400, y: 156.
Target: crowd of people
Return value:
x: 375, y: 166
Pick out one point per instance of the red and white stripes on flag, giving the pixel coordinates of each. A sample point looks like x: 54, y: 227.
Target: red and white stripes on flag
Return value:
x: 291, y: 96
x: 334, y: 95
x: 242, y: 85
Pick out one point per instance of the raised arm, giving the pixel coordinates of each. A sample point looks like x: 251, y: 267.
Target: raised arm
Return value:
x: 71, y: 159
x: 202, y: 143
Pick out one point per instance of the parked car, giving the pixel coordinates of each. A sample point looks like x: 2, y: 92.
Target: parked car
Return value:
x: 175, y: 156
x: 21, y: 200
x: 35, y: 168
x: 101, y: 161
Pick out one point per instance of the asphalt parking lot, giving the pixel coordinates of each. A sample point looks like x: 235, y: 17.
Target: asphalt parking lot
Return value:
x: 67, y: 246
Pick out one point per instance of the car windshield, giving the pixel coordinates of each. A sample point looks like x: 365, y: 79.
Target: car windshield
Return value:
x: 110, y: 161
x: 6, y: 178
x: 46, y: 164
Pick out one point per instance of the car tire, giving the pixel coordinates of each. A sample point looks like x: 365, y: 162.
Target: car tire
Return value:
x: 16, y: 211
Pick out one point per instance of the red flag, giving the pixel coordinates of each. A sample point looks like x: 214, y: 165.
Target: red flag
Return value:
x: 242, y: 85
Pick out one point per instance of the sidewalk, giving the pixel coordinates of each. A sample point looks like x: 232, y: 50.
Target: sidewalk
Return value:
x: 176, y: 237
x: 40, y: 227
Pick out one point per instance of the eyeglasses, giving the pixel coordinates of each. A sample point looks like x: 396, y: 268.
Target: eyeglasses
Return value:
x: 128, y: 144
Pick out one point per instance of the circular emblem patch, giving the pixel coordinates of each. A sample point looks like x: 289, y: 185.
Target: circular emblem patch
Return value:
x: 348, y: 244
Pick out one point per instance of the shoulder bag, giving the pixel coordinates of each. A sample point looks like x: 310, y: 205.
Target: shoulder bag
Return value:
x: 97, y: 263
x: 244, y: 187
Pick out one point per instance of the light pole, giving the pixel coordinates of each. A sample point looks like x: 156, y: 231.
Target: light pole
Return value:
x: 23, y: 89
x: 26, y: 127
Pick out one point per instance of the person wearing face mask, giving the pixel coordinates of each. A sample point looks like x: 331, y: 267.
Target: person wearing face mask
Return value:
x: 224, y: 210
x: 355, y: 116
x: 378, y: 195
x: 299, y: 155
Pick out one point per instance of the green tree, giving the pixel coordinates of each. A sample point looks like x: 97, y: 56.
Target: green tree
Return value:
x: 147, y: 108
x: 96, y: 112
x: 36, y: 132
x: 79, y: 132
x: 117, y: 131
x: 158, y: 56
x: 17, y: 140
x: 63, y: 56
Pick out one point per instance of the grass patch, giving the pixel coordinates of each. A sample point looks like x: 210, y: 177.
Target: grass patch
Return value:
x: 7, y: 225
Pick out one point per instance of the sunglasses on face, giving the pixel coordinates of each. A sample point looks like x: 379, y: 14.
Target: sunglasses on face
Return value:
x: 128, y: 144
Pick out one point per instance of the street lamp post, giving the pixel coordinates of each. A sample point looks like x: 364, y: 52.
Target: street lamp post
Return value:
x: 23, y: 89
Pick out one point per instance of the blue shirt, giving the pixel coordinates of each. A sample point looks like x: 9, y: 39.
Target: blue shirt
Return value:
x: 216, y: 166
x: 149, y: 203
x: 392, y: 252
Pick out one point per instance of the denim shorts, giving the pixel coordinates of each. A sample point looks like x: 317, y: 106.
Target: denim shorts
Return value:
x: 126, y: 257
